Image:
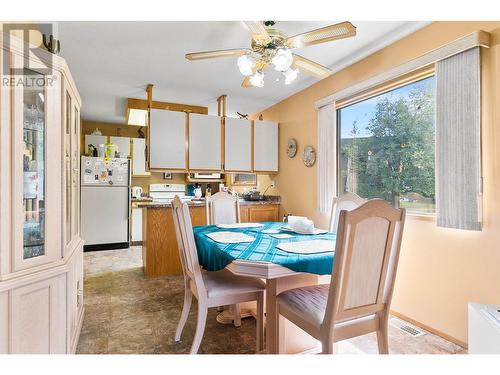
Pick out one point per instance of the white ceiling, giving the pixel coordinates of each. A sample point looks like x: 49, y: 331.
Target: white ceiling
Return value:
x: 112, y: 61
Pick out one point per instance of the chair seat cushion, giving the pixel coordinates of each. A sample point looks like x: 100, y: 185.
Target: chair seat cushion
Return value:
x: 308, y: 302
x: 225, y: 283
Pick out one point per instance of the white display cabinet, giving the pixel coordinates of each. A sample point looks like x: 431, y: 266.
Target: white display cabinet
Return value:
x: 41, y: 269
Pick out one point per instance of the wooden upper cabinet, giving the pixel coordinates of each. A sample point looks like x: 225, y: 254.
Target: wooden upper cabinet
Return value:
x: 238, y: 145
x: 265, y: 146
x: 167, y: 140
x: 205, y: 142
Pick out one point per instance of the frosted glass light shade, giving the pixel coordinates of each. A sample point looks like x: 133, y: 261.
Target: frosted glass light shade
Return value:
x: 257, y: 79
x: 246, y: 64
x: 282, y: 60
x: 290, y: 75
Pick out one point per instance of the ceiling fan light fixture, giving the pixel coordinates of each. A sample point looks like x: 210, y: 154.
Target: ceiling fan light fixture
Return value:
x: 257, y: 79
x: 290, y: 75
x: 246, y: 64
x: 282, y: 60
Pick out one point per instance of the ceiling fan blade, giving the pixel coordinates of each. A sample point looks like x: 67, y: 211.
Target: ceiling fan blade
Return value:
x: 215, y: 54
x: 310, y: 66
x: 325, y: 34
x: 258, y: 31
x: 259, y: 65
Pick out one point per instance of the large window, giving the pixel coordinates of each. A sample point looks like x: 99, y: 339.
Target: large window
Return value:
x: 387, y: 147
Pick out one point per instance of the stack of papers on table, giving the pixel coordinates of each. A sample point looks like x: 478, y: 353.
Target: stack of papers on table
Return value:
x: 230, y: 237
x: 239, y: 225
x: 308, y: 247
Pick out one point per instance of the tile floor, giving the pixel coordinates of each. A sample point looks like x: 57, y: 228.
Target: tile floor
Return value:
x: 126, y: 313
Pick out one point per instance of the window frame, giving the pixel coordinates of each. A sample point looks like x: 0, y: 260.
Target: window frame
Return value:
x: 380, y: 89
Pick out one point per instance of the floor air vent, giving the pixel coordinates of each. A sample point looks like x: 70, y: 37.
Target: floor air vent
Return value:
x: 406, y: 327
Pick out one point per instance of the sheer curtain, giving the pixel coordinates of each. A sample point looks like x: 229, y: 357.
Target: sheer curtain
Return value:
x: 458, y: 141
x: 327, y: 156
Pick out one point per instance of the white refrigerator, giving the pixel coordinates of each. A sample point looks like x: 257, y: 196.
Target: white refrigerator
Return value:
x: 105, y: 189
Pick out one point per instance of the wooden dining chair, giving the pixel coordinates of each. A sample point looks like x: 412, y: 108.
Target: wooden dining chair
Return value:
x: 211, y: 289
x: 357, y: 300
x: 222, y: 208
x: 347, y: 201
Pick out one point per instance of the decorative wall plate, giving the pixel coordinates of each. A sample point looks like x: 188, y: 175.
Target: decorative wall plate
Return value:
x: 309, y: 156
x: 291, y: 148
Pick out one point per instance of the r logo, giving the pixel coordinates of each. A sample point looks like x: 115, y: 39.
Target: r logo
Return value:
x: 31, y: 33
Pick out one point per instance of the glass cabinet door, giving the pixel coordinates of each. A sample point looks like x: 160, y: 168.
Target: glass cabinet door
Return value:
x: 76, y: 172
x: 72, y: 166
x: 34, y: 131
x: 68, y: 166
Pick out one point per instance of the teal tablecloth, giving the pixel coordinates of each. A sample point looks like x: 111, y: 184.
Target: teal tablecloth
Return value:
x: 214, y: 256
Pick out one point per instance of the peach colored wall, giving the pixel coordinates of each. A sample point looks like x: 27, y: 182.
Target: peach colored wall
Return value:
x: 440, y: 270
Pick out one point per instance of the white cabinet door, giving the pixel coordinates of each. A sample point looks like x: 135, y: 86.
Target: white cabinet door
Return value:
x: 139, y: 157
x: 167, y: 140
x: 74, y: 298
x: 265, y: 146
x: 136, y: 224
x: 94, y: 140
x: 205, y: 142
x: 37, y: 166
x: 123, y: 144
x: 238, y: 145
x: 38, y: 320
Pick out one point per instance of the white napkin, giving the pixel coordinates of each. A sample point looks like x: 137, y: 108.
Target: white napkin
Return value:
x: 270, y: 231
x: 230, y: 237
x: 301, y: 224
x: 281, y: 236
x: 308, y: 247
x: 239, y: 225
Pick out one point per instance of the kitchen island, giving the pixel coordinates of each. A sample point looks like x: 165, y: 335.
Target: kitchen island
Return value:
x: 159, y: 245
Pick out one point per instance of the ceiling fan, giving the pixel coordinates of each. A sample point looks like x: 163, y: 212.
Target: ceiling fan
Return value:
x: 271, y: 46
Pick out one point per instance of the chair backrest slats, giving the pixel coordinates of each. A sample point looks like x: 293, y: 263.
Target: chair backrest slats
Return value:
x: 367, y: 251
x: 222, y: 208
x: 347, y: 201
x: 186, y: 244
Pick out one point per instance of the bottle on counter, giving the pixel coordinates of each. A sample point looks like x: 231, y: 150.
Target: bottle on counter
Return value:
x: 197, y: 191
x: 208, y: 192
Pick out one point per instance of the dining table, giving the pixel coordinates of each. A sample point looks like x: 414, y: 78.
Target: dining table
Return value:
x: 260, y: 257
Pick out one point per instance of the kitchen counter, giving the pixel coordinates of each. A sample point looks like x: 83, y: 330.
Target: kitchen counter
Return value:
x: 272, y: 200
x: 160, y: 254
x: 142, y: 199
